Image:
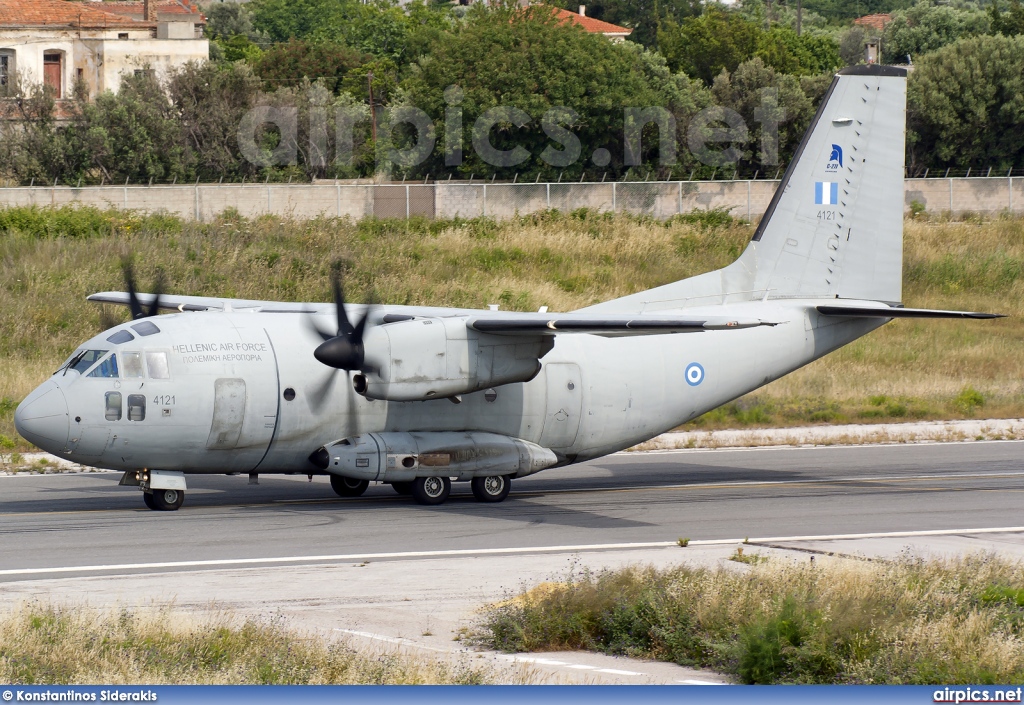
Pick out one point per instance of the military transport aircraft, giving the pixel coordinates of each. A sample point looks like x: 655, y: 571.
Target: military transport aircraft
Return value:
x: 417, y: 397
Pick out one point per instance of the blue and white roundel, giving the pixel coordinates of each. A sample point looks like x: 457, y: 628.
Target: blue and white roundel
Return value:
x: 694, y: 374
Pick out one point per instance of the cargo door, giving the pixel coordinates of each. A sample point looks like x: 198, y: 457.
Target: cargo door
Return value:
x: 563, y: 406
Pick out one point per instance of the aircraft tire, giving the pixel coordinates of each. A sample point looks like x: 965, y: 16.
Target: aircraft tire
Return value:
x: 347, y: 487
x: 402, y: 488
x: 493, y: 488
x: 167, y: 500
x: 431, y: 490
x: 147, y: 497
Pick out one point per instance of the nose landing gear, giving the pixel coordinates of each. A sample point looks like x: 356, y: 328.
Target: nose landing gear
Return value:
x: 164, y: 500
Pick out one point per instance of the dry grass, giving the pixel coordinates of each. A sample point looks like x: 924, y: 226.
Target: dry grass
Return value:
x: 75, y: 645
x: 775, y: 620
x: 51, y: 260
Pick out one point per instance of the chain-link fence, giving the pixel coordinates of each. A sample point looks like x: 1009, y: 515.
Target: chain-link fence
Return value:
x: 661, y: 199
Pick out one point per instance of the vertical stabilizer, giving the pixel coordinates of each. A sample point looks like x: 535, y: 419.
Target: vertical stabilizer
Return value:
x: 834, y: 228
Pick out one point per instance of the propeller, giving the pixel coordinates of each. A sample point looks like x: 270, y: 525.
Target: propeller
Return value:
x: 133, y: 298
x: 344, y: 349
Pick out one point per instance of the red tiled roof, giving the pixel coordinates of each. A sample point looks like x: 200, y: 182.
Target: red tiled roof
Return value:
x: 134, y: 7
x: 877, y: 21
x: 61, y: 13
x: 589, y: 24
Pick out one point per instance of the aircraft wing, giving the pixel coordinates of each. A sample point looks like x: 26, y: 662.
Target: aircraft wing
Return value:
x: 174, y: 302
x: 609, y: 326
x: 899, y: 312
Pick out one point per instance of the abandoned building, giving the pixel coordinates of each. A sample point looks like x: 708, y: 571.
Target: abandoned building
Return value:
x: 59, y: 42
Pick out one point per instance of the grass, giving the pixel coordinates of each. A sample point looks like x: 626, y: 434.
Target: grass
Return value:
x: 44, y: 645
x: 776, y: 621
x: 51, y: 259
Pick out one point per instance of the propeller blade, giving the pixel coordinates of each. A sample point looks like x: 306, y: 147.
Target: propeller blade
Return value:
x: 158, y: 290
x: 129, y: 283
x: 344, y: 326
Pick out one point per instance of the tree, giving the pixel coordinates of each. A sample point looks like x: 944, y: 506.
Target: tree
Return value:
x: 966, y: 104
x: 288, y: 63
x: 1010, y: 24
x: 228, y: 19
x: 704, y: 46
x: 765, y: 97
x: 924, y: 28
x: 851, y: 45
x: 800, y: 55
x: 524, y: 59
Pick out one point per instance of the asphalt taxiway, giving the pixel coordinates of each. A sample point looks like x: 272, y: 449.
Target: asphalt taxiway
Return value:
x: 391, y: 574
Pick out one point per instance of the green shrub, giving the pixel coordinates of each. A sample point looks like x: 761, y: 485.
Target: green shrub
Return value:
x: 968, y: 400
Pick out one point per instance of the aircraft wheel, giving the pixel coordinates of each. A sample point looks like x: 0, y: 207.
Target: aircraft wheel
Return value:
x: 431, y: 490
x: 348, y: 487
x: 147, y: 497
x: 402, y: 488
x: 491, y: 489
x: 167, y: 500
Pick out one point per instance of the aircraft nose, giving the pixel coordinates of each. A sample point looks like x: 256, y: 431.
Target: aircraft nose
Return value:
x: 42, y: 418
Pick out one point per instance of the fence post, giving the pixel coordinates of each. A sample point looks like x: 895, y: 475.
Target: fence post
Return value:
x: 951, y: 196
x: 548, y: 184
x: 748, y: 200
x: 269, y: 211
x: 485, y: 200
x: 407, y: 201
x: 1010, y: 180
x: 337, y: 187
x: 615, y: 204
x: 197, y: 214
x: 679, y: 198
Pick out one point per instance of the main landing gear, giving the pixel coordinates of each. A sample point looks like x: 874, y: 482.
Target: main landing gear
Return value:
x: 435, y: 490
x: 348, y: 487
x: 164, y: 500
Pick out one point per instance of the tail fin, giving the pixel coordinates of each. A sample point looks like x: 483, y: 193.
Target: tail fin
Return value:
x: 834, y: 228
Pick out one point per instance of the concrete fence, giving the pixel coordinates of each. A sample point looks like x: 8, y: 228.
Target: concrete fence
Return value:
x: 746, y: 199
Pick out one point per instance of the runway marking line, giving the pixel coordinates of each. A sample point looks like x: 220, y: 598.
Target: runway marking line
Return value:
x: 454, y: 553
x: 584, y: 490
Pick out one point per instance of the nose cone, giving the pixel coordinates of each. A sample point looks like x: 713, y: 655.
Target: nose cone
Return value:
x: 42, y: 419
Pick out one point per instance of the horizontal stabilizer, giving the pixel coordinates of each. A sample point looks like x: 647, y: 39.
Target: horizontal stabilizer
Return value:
x: 543, y: 324
x: 893, y: 312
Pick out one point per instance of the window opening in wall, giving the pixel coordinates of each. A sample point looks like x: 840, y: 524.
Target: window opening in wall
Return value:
x: 6, y: 68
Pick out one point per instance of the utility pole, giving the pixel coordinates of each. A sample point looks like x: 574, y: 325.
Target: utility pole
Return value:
x: 799, y: 15
x: 373, y: 111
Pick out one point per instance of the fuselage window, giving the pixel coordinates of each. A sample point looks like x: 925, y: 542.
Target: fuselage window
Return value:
x: 145, y: 328
x: 132, y: 365
x: 136, y: 407
x: 107, y: 368
x: 157, y: 364
x: 113, y: 406
x: 121, y: 336
x: 84, y: 360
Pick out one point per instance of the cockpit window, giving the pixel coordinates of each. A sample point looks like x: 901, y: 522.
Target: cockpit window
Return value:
x: 85, y: 359
x: 120, y: 337
x: 156, y: 361
x: 132, y: 362
x: 145, y: 328
x: 107, y: 368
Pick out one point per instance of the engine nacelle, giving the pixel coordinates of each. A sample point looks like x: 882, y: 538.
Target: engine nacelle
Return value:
x: 434, y: 358
x: 401, y: 457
